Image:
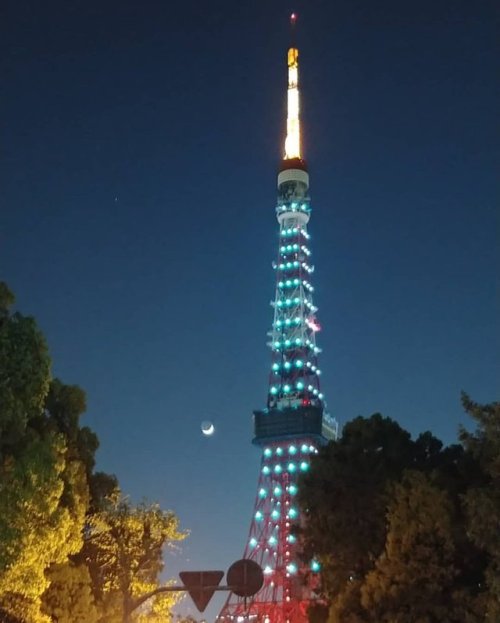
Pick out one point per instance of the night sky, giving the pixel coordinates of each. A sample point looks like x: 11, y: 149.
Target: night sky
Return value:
x: 139, y: 151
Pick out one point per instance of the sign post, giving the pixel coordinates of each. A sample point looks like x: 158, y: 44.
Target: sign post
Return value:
x: 201, y: 585
x: 244, y: 578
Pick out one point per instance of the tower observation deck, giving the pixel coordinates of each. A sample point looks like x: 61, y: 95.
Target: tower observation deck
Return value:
x: 295, y: 421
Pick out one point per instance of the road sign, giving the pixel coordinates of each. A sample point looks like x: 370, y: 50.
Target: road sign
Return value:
x: 201, y: 585
x: 245, y: 577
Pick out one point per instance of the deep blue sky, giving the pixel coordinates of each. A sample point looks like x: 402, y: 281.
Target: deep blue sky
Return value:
x: 139, y: 150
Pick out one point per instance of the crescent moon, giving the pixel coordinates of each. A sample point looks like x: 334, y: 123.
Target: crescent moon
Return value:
x: 208, y: 430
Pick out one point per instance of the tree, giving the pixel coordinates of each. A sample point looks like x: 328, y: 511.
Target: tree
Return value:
x: 69, y: 598
x: 42, y: 500
x: 344, y: 498
x: 358, y: 499
x: 43, y: 484
x: 24, y: 371
x: 123, y: 548
x: 70, y: 594
x: 36, y: 529
x: 70, y: 548
x: 482, y: 502
x: 6, y: 617
x: 413, y: 579
x: 65, y: 404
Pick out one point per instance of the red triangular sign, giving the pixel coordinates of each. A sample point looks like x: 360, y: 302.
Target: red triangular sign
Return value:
x: 201, y: 585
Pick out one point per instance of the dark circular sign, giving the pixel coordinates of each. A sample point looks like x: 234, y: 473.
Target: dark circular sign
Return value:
x: 245, y: 577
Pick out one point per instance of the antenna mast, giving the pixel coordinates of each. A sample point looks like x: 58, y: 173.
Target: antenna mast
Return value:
x: 292, y: 141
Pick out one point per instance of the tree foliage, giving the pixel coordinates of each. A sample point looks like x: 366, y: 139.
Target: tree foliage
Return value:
x: 43, y: 492
x: 69, y: 598
x: 24, y: 371
x: 123, y: 548
x: 482, y: 502
x: 71, y: 549
x: 345, y: 495
x: 413, y: 578
x: 391, y: 520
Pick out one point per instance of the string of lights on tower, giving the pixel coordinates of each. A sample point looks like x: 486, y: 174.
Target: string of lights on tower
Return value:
x: 295, y: 421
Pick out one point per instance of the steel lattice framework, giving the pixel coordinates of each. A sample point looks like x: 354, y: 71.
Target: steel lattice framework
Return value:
x: 295, y: 422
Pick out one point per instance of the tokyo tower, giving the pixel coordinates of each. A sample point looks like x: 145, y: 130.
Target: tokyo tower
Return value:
x: 295, y: 421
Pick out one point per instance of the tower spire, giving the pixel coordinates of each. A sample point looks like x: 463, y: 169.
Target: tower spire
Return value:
x: 294, y: 422
x: 292, y: 141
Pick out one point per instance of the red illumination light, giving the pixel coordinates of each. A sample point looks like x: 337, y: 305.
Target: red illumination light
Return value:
x: 313, y: 324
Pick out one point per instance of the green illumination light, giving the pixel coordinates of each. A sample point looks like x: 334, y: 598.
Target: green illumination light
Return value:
x: 291, y: 538
x: 259, y: 516
x: 277, y: 491
x: 262, y: 493
x: 286, y: 388
x: 299, y: 385
x: 266, y: 470
x: 272, y: 540
x: 279, y: 451
x: 292, y: 489
x: 278, y: 469
x: 292, y: 450
x: 268, y: 452
x: 315, y: 566
x: 276, y: 366
x: 291, y: 568
x: 253, y: 542
x: 275, y: 514
x: 291, y: 467
x: 292, y: 513
x: 304, y: 466
x: 299, y: 363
